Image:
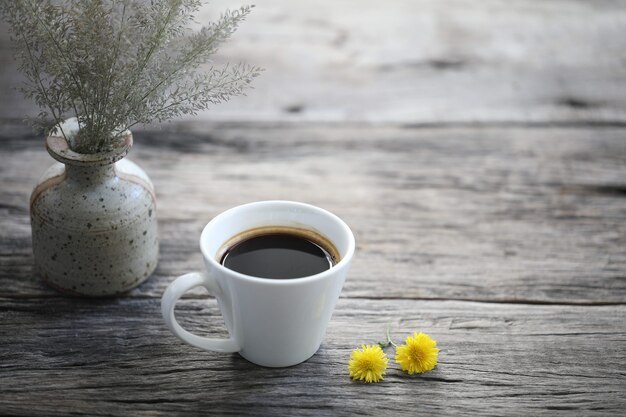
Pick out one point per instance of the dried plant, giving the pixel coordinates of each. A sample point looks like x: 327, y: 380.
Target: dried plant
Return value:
x: 116, y: 63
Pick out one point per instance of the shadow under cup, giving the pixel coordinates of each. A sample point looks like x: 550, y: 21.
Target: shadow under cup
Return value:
x: 276, y: 322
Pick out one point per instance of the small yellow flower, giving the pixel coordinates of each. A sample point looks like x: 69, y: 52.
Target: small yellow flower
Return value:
x: 418, y: 355
x: 368, y: 363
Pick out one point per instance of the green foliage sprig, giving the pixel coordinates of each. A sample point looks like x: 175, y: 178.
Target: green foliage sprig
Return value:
x: 116, y: 63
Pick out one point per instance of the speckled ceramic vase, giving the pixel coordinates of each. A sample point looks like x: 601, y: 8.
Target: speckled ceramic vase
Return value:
x: 93, y: 219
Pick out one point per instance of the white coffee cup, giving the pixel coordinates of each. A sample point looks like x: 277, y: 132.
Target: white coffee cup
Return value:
x: 271, y: 322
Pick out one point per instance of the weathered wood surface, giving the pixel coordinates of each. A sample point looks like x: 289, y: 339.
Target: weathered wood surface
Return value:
x: 493, y: 214
x: 506, y: 244
x: 419, y: 61
x: 115, y: 357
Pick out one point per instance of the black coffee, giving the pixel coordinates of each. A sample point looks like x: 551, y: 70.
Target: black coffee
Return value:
x: 277, y: 255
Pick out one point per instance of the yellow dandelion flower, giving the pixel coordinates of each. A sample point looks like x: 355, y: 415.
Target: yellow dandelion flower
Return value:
x: 418, y: 355
x: 368, y: 363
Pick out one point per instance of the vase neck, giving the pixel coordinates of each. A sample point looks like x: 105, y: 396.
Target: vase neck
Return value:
x: 87, y: 175
x: 79, y: 164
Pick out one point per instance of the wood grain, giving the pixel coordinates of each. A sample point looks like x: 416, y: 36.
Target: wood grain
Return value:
x: 483, y: 214
x: 418, y: 61
x: 506, y: 244
x: 116, y: 357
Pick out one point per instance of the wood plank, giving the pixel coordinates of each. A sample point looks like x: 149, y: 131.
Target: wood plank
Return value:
x: 492, y: 214
x: 419, y: 61
x: 116, y: 357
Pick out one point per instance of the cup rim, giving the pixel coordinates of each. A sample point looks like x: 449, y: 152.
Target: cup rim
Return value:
x: 345, y: 259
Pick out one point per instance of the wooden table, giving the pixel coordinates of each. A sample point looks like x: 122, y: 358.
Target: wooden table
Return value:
x: 505, y: 244
x: 477, y: 150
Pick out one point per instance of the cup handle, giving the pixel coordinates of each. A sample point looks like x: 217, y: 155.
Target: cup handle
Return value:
x: 175, y: 290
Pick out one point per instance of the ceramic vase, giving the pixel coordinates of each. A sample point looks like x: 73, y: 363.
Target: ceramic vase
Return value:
x: 93, y: 219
